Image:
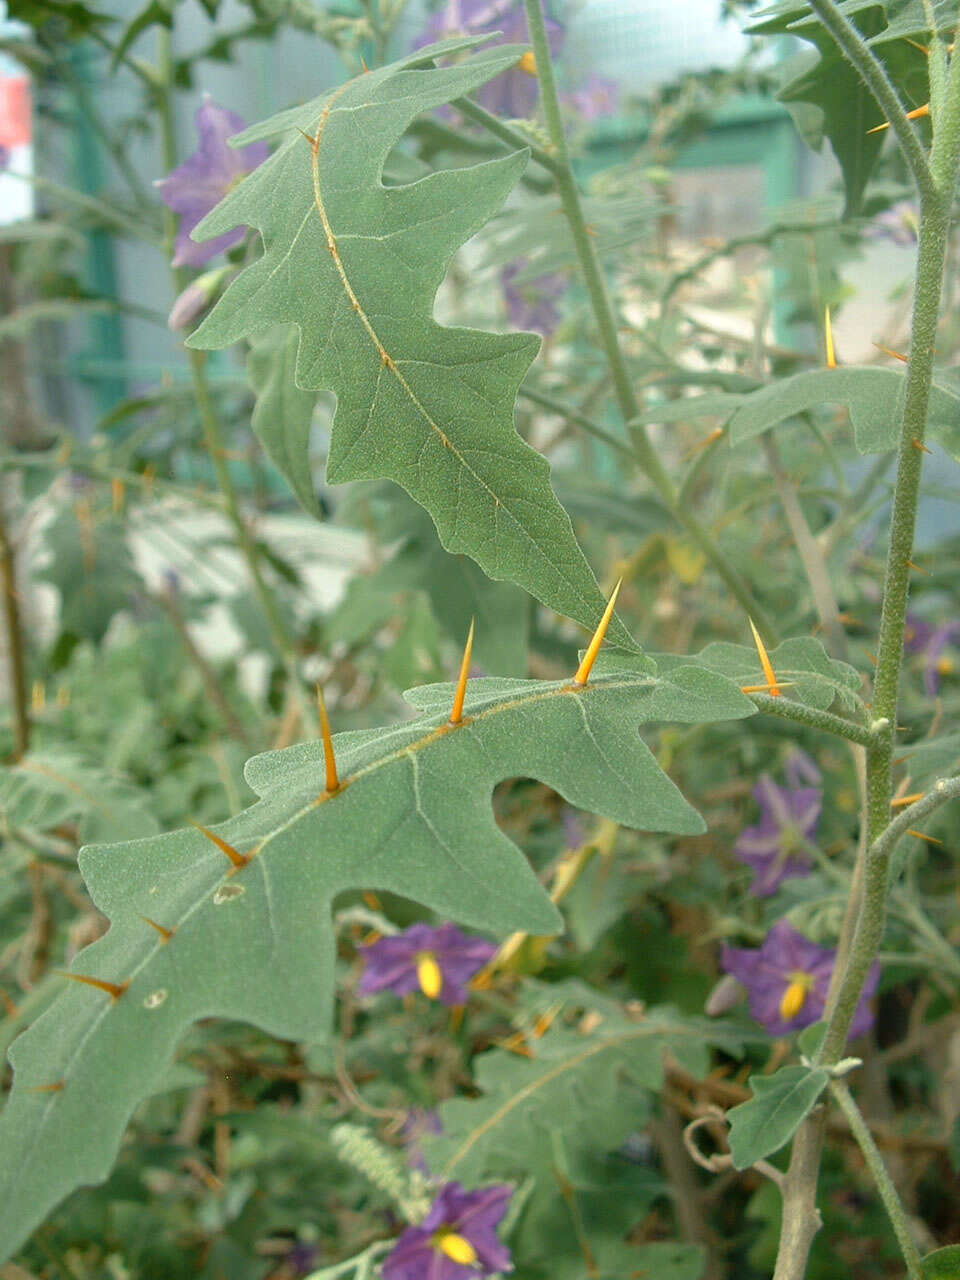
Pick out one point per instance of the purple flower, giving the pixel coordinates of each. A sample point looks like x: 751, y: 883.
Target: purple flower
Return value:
x: 532, y: 305
x: 775, y: 847
x: 457, y: 1240
x: 801, y: 768
x: 513, y: 93
x: 419, y: 1124
x: 897, y: 224
x: 787, y: 981
x: 204, y: 178
x: 437, y: 961
x: 597, y: 97
x: 920, y: 637
x: 4, y: 157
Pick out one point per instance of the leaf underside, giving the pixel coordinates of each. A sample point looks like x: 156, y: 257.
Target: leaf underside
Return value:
x: 413, y: 817
x: 355, y: 265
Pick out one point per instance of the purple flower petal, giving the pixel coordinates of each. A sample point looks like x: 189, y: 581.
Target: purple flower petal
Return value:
x: 531, y: 305
x: 596, y: 98
x: 391, y: 963
x: 769, y: 971
x: 512, y: 94
x: 204, y: 178
x: 474, y: 1215
x: 774, y: 846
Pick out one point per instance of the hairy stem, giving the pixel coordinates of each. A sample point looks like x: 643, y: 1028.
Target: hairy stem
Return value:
x: 815, y: 719
x: 606, y: 321
x: 888, y: 1192
x: 936, y: 183
x: 877, y: 81
x: 16, y: 659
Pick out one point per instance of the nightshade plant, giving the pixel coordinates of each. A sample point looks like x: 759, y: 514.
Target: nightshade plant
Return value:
x: 211, y: 1071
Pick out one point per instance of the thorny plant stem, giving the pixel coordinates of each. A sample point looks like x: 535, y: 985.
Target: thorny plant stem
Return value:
x: 801, y: 713
x: 606, y: 322
x: 16, y: 660
x: 888, y: 1192
x: 871, y: 70
x: 936, y: 182
x: 210, y: 423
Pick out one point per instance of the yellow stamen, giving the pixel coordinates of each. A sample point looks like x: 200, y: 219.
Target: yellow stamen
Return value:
x: 332, y: 783
x: 429, y: 975
x: 457, y: 1248
x: 828, y: 339
x: 795, y: 996
x: 456, y: 711
x: 583, y: 671
x: 765, y: 663
x: 915, y: 114
x: 528, y: 63
x: 905, y: 800
x: 897, y: 355
x: 237, y: 858
x: 945, y: 666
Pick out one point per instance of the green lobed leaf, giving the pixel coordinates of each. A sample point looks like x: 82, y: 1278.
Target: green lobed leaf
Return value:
x: 355, y: 266
x: 283, y: 413
x: 256, y: 944
x: 814, y: 677
x: 46, y: 789
x: 873, y: 396
x: 827, y: 96
x: 771, y: 1117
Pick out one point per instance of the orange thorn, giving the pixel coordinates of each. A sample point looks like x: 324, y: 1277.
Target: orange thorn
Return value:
x: 113, y: 989
x: 911, y: 565
x: 456, y: 711
x: 922, y: 47
x: 715, y: 434
x: 828, y: 339
x: 766, y: 688
x: 870, y: 656
x: 165, y: 934
x: 902, y: 800
x: 117, y: 491
x: 765, y: 664
x: 590, y: 657
x: 366, y: 69
x: 371, y: 899
x: 456, y: 1017
x: 920, y: 446
x: 897, y: 355
x: 56, y: 1087
x: 922, y: 836
x: 915, y: 114
x: 237, y: 859
x: 332, y: 782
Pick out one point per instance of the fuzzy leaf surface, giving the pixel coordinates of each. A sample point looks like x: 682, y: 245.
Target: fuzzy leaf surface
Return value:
x: 412, y: 816
x: 874, y: 398
x: 356, y: 265
x: 47, y: 789
x: 283, y: 413
x: 770, y: 1118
